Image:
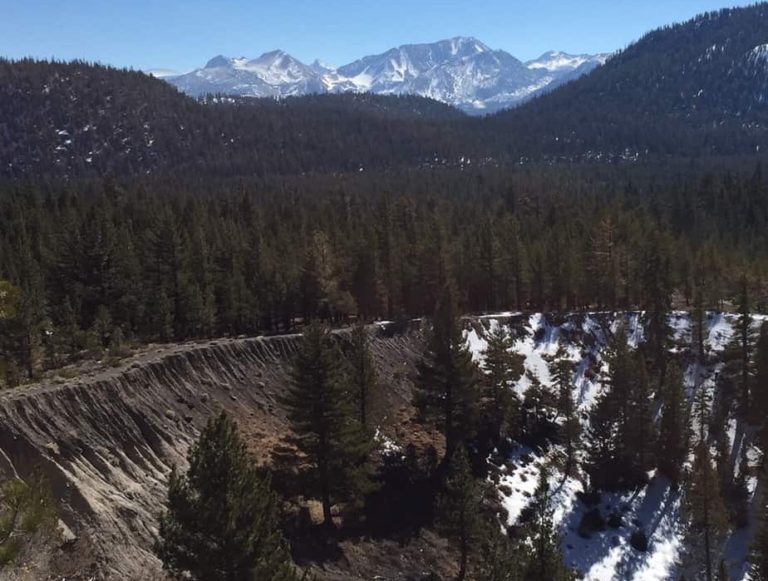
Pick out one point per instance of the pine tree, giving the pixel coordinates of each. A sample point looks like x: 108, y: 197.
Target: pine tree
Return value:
x: 447, y: 376
x: 760, y: 385
x: 638, y: 425
x: 699, y: 325
x: 539, y: 405
x: 324, y: 421
x: 722, y: 571
x: 499, y: 559
x: 362, y: 375
x: 620, y: 422
x: 707, y: 516
x: 657, y: 290
x: 222, y: 521
x: 561, y: 371
x: 10, y: 297
x: 672, y: 447
x: 545, y: 559
x: 603, y: 262
x: 738, y: 501
x: 459, y: 508
x: 758, y: 557
x: 744, y: 322
x: 502, y: 368
x: 69, y: 329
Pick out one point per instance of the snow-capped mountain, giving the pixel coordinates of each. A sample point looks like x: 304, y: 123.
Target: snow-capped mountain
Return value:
x: 560, y: 62
x: 461, y: 71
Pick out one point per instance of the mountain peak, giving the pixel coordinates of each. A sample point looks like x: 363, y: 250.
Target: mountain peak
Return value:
x: 461, y: 71
x: 217, y: 62
x: 469, y: 43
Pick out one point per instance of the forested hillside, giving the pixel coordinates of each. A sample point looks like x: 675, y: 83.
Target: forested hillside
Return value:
x: 689, y: 90
x: 692, y: 89
x: 174, y: 259
x: 79, y: 120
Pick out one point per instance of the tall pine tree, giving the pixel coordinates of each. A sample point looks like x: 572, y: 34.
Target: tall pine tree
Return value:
x: 325, y: 423
x: 459, y: 509
x: 447, y: 376
x: 672, y: 446
x: 362, y: 375
x: 502, y: 368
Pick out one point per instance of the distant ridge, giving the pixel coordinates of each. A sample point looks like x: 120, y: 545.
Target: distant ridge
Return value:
x: 462, y: 72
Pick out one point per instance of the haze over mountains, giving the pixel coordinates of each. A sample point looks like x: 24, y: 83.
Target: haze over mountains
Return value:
x: 461, y: 71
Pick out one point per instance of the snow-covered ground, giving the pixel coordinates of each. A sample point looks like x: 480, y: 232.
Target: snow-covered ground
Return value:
x: 655, y: 509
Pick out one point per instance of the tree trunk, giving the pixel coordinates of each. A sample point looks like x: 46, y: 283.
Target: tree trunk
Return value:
x: 464, y: 558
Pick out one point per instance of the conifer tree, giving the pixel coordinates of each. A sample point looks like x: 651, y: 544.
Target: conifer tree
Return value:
x: 744, y: 322
x: 722, y: 571
x: 539, y: 404
x: 499, y: 559
x: 699, y: 324
x: 760, y: 385
x: 10, y: 296
x: 561, y: 371
x: 758, y: 558
x: 222, y: 521
x: 657, y: 290
x: 447, y: 376
x: 738, y: 500
x: 362, y: 375
x: 610, y: 455
x: 325, y: 423
x: 707, y: 516
x: 672, y: 447
x: 545, y: 559
x: 502, y: 368
x: 459, y: 509
x: 638, y: 425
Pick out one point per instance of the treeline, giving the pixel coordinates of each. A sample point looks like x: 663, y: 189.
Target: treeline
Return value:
x: 101, y: 264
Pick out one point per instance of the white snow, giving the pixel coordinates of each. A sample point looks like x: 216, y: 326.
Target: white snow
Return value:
x: 654, y: 509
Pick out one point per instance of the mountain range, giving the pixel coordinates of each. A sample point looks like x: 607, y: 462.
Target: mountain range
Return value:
x: 695, y: 89
x: 462, y: 72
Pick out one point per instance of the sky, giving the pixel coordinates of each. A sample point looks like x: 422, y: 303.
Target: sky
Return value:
x: 184, y: 34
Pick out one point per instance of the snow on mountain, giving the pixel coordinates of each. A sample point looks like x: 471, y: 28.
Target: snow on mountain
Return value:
x: 759, y: 54
x: 461, y: 71
x: 161, y: 73
x: 556, y: 61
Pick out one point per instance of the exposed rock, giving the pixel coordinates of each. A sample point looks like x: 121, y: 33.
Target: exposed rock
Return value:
x: 107, y: 444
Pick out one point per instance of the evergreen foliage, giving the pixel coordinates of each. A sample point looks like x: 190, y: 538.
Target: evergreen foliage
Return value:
x: 561, y: 371
x: 759, y: 555
x: 621, y: 432
x: 672, y: 445
x: 28, y: 511
x: 502, y: 369
x: 544, y: 559
x: 363, y: 377
x: 459, y: 509
x: 222, y: 521
x: 707, y: 515
x: 447, y: 376
x: 325, y: 422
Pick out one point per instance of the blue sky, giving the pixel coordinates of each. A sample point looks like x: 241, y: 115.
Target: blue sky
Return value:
x: 184, y: 34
